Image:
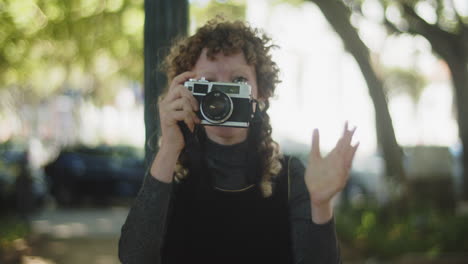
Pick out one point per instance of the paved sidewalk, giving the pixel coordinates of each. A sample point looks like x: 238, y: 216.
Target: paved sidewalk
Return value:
x: 83, y: 250
x: 76, y: 236
x: 79, y: 222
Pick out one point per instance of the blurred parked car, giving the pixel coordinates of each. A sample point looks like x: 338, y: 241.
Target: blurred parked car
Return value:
x: 22, y: 188
x: 100, y: 173
x: 433, y: 172
x: 365, y: 182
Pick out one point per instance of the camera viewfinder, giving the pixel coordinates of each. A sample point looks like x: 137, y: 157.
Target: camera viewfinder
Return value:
x: 200, y: 88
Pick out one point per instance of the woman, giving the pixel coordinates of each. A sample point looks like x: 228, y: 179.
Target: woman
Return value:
x: 227, y: 195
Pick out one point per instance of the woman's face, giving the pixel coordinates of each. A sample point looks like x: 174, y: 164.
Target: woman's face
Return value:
x: 232, y: 68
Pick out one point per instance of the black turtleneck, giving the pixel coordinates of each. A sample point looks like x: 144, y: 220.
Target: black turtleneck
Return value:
x: 142, y: 234
x: 228, y: 164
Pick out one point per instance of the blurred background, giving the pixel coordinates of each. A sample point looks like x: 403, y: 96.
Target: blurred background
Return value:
x: 73, y: 130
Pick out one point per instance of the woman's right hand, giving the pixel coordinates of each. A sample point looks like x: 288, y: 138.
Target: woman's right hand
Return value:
x: 178, y: 105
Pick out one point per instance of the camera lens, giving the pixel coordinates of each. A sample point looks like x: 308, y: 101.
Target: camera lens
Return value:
x: 216, y: 107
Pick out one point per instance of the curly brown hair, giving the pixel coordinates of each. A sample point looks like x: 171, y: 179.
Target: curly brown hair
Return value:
x: 230, y: 38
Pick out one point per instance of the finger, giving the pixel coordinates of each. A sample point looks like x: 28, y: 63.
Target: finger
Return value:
x: 185, y: 116
x: 339, y: 144
x: 181, y: 78
x: 345, y: 141
x: 195, y: 118
x: 348, y: 137
x: 182, y: 103
x: 182, y: 91
x: 186, y: 93
x: 315, y: 144
x: 350, y: 156
x: 345, y: 127
x: 178, y: 80
x: 178, y: 92
x: 177, y: 115
x: 189, y: 122
x: 173, y: 94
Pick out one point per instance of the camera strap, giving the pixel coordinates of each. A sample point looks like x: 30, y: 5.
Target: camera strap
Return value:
x: 254, y: 137
x: 192, y: 147
x: 257, y: 115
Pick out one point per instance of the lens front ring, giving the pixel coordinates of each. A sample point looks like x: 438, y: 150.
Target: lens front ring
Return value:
x: 216, y: 107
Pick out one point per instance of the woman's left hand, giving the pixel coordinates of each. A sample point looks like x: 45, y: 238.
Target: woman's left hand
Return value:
x: 326, y: 176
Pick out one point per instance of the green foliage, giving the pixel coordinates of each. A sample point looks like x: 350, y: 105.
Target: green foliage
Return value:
x: 91, y: 45
x: 12, y: 228
x: 46, y: 44
x: 228, y: 9
x: 291, y: 2
x: 398, y: 80
x: 375, y: 233
x: 447, y: 17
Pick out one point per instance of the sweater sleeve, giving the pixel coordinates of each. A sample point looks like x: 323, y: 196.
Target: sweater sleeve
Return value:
x: 142, y: 233
x: 312, y: 243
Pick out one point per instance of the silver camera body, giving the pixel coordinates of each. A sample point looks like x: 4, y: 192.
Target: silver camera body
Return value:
x: 222, y: 104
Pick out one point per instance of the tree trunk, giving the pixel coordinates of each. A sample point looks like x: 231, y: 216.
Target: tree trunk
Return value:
x: 338, y: 16
x: 164, y: 20
x: 459, y: 70
x: 453, y: 48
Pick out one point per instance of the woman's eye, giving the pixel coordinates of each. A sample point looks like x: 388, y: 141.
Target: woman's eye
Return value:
x: 240, y: 79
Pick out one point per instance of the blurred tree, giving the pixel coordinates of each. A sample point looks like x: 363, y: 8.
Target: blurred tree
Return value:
x: 403, y: 81
x: 200, y: 13
x: 50, y: 44
x: 339, y: 17
x: 446, y: 28
x: 164, y: 21
x: 441, y: 23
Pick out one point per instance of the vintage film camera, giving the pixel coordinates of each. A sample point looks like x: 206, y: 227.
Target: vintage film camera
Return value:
x: 222, y: 104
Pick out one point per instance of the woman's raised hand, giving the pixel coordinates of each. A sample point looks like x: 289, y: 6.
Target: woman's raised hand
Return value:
x: 178, y: 105
x: 326, y: 176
